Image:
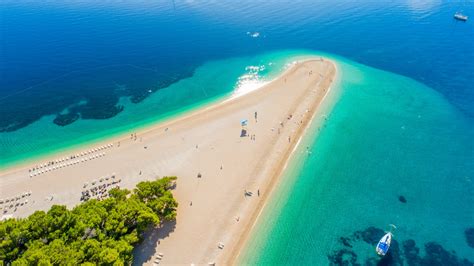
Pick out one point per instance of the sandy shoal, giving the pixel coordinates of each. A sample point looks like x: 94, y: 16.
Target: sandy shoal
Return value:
x: 207, y: 143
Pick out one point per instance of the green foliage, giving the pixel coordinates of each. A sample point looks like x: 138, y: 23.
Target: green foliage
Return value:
x: 158, y: 197
x: 95, y: 232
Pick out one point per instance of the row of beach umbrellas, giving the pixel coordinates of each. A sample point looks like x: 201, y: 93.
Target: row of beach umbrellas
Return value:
x: 72, y: 157
x: 68, y: 163
x: 16, y: 198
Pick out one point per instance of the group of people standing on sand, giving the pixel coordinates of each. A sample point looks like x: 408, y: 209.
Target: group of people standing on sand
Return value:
x: 134, y: 137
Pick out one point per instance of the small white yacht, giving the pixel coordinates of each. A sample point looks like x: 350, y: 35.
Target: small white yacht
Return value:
x: 460, y: 16
x: 384, y: 244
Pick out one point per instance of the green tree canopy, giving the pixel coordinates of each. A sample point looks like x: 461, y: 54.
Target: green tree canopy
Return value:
x: 94, y: 232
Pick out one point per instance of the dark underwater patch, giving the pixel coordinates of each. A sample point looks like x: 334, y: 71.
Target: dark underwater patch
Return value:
x: 437, y: 255
x: 370, y: 235
x: 469, y: 233
x: 65, y: 119
x: 402, y: 199
x: 406, y: 254
x: 100, y: 91
x: 343, y: 257
x: 411, y: 252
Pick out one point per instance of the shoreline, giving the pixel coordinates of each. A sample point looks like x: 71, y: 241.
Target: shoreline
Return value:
x: 209, y: 140
x: 146, y: 126
x: 276, y: 180
x: 113, y: 137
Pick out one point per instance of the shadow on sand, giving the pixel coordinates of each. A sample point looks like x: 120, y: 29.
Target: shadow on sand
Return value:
x: 146, y: 249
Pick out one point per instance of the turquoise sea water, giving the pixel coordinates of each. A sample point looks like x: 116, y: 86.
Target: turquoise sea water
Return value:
x: 387, y: 136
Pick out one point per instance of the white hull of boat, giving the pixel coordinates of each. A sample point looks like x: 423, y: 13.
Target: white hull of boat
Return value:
x: 384, y: 244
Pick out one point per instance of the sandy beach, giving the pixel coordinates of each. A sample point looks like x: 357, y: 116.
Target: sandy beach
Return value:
x: 227, y: 156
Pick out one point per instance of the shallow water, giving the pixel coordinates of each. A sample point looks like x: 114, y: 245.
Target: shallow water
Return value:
x: 388, y: 136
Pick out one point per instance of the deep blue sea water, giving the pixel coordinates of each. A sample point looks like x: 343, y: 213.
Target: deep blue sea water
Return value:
x: 72, y: 72
x: 55, y: 55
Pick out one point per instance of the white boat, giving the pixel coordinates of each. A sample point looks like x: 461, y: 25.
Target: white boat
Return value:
x: 460, y: 16
x: 384, y: 244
